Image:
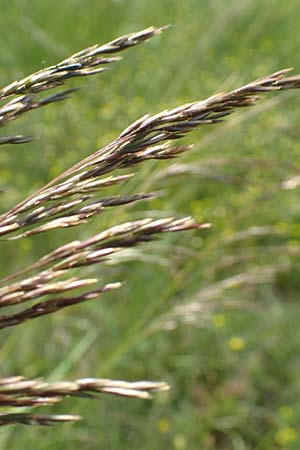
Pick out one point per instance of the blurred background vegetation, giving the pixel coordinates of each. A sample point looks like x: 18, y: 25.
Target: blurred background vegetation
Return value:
x: 215, y: 313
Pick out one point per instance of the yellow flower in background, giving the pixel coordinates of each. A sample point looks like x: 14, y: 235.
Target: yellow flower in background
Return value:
x: 286, y: 436
x: 219, y: 320
x: 236, y: 343
x: 179, y: 442
x: 286, y: 412
x: 163, y: 425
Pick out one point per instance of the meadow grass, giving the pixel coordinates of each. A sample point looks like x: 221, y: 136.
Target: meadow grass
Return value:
x: 215, y: 314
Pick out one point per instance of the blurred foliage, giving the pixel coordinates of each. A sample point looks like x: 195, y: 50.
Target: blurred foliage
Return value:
x: 234, y: 362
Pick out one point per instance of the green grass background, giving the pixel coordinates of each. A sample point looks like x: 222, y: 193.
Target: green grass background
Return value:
x: 234, y: 364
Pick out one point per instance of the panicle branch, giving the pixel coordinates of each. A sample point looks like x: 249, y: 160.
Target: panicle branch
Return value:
x: 90, y: 61
x: 59, y: 263
x: 86, y: 62
x: 20, y: 391
x: 150, y: 137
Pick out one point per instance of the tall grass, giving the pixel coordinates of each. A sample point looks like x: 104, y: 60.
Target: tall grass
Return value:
x: 211, y: 169
x: 56, y: 206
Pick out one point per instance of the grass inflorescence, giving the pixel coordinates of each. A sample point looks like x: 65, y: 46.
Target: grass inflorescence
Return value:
x: 73, y: 199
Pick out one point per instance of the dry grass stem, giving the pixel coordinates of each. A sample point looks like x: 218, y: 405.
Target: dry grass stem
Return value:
x: 33, y: 419
x: 21, y: 104
x: 90, y: 61
x: 148, y: 138
x: 20, y: 392
x: 61, y: 261
x: 86, y: 62
x: 197, y: 308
